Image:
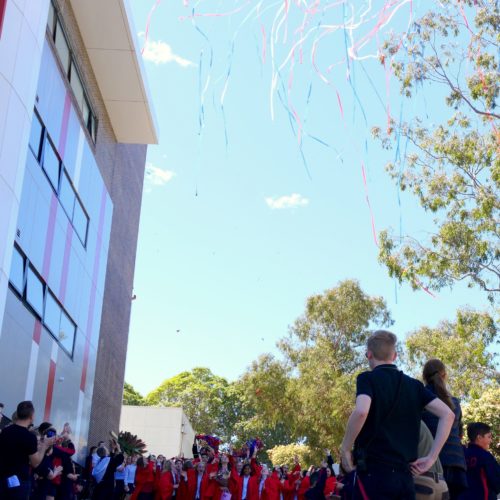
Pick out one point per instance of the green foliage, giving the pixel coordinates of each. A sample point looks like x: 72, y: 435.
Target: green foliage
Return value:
x: 453, y: 168
x: 307, y: 397
x: 131, y: 396
x: 486, y: 409
x: 325, y: 349
x: 300, y: 404
x: 131, y: 444
x: 285, y: 455
x: 464, y: 346
x: 210, y: 402
x: 266, y: 393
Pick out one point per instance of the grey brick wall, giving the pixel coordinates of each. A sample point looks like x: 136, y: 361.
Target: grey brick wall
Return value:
x: 122, y: 167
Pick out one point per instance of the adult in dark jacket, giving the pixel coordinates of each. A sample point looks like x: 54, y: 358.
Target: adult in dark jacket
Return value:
x: 106, y: 482
x: 316, y: 489
x: 452, y: 454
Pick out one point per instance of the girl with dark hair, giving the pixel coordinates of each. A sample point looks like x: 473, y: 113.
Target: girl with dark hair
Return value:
x: 452, y: 455
x: 144, y: 480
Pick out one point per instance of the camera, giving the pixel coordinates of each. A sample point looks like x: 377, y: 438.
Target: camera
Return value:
x: 51, y: 433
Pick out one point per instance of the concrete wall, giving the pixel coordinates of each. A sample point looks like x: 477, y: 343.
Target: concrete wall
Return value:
x: 166, y: 431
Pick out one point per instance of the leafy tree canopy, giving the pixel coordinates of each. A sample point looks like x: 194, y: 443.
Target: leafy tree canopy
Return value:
x: 131, y: 396
x: 485, y: 409
x: 464, y: 346
x: 452, y: 167
x: 285, y: 455
x: 209, y: 401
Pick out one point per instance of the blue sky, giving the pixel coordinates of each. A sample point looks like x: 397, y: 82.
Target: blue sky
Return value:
x: 234, y: 238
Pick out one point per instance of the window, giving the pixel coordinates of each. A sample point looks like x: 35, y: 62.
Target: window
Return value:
x: 67, y: 332
x: 36, y: 135
x: 67, y: 60
x: 76, y: 85
x: 51, y: 19
x: 59, y: 178
x: 80, y: 222
x: 52, y: 316
x: 34, y: 291
x: 67, y: 195
x: 17, y: 271
x: 62, y: 46
x: 51, y: 164
x: 42, y: 301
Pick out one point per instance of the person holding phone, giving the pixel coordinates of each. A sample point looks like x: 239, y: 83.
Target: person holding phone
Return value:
x: 20, y: 449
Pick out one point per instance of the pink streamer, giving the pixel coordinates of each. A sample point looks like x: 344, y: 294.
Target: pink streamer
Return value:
x: 264, y: 43
x: 369, y: 204
x: 216, y: 14
x: 148, y: 22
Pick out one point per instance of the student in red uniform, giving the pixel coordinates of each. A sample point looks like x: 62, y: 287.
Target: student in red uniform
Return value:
x: 243, y: 483
x: 330, y: 483
x: 304, y: 483
x: 201, y: 482
x: 222, y: 479
x: 266, y: 487
x: 286, y: 484
x: 144, y: 480
x: 165, y: 483
x: 187, y: 487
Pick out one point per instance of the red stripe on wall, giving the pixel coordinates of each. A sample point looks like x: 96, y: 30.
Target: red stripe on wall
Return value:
x: 3, y: 5
x: 50, y: 390
x: 90, y: 318
x: 64, y: 126
x: 37, y: 332
x: 49, y: 240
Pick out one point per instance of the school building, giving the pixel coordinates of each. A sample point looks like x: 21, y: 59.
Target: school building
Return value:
x: 75, y: 121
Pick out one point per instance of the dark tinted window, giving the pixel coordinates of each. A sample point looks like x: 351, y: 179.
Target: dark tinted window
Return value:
x: 51, y: 164
x: 36, y: 136
x: 17, y: 271
x: 80, y: 222
x: 67, y: 331
x: 67, y: 195
x: 52, y: 317
x: 34, y: 292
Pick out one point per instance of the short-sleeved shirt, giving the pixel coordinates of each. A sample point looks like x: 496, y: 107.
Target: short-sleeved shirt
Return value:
x: 396, y: 440
x: 16, y: 445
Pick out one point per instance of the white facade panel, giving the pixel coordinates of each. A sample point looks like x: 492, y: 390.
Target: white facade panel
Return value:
x: 165, y: 431
x: 21, y: 43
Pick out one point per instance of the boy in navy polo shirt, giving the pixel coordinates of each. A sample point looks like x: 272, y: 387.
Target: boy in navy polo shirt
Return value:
x: 385, y: 426
x: 483, y: 471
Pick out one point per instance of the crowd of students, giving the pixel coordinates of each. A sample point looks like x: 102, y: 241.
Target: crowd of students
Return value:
x: 403, y: 441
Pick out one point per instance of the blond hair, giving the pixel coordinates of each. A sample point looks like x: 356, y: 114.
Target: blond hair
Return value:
x: 382, y: 344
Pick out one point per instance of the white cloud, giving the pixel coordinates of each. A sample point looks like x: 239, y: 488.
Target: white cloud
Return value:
x: 156, y: 176
x: 287, y: 201
x: 160, y: 53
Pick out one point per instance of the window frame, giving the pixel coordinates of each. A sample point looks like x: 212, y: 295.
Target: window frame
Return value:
x: 36, y: 116
x: 48, y: 139
x: 30, y: 267
x: 90, y: 122
x: 46, y: 291
x: 44, y: 140
x: 20, y: 293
